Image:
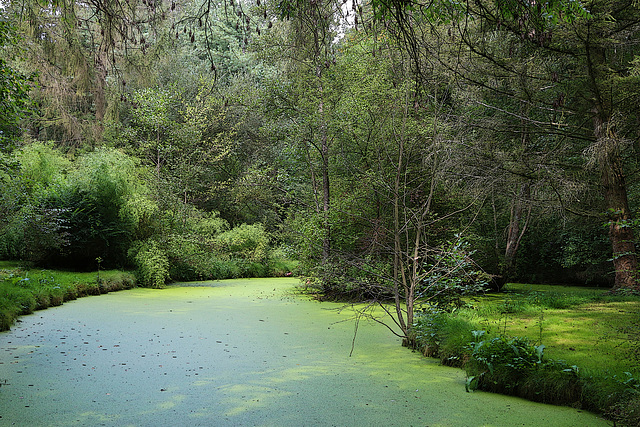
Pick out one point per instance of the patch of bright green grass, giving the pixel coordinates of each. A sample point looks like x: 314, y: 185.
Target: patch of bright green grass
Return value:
x: 591, y: 342
x: 9, y: 264
x: 584, y: 326
x: 24, y: 290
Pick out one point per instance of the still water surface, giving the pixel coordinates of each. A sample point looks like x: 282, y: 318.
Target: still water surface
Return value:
x: 234, y: 353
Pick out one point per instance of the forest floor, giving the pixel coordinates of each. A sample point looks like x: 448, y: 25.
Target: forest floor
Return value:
x: 586, y: 327
x: 572, y: 346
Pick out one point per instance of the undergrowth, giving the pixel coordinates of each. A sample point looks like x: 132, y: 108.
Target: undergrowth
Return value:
x: 480, y: 340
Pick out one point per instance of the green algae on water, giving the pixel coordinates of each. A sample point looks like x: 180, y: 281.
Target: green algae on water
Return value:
x: 235, y: 353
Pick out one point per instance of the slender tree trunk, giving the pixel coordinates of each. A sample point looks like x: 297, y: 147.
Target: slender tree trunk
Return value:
x: 99, y: 95
x: 101, y: 60
x: 399, y: 275
x: 520, y: 215
x: 326, y: 194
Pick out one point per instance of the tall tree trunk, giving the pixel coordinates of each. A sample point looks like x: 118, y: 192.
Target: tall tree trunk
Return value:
x: 518, y: 222
x: 614, y: 187
x: 621, y: 234
x: 100, y: 100
x: 326, y: 194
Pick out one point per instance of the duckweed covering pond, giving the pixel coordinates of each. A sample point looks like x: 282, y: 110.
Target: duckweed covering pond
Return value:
x: 234, y: 353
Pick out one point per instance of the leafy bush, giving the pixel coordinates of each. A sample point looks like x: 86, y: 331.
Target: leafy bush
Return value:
x: 152, y: 263
x: 208, y: 225
x: 95, y: 198
x: 65, y: 213
x: 350, y: 280
x: 451, y: 275
x: 501, y: 364
x: 28, y: 229
x: 248, y: 242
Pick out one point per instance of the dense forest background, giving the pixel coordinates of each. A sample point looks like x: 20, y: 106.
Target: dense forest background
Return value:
x: 381, y: 145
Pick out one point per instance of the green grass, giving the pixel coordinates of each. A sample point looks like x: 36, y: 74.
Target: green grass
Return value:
x: 584, y: 326
x: 586, y: 331
x: 24, y: 290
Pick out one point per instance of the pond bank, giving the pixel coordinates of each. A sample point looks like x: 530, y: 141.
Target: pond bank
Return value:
x: 235, y: 353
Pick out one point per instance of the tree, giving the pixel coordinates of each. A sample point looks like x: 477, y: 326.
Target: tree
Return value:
x: 393, y: 221
x: 308, y: 109
x: 582, y: 90
x: 14, y: 87
x: 184, y: 140
x: 76, y: 46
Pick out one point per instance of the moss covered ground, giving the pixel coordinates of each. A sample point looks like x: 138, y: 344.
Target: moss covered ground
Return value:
x: 588, y: 340
x: 587, y: 327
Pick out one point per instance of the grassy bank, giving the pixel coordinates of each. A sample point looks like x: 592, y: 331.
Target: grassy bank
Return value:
x: 572, y: 346
x: 23, y: 290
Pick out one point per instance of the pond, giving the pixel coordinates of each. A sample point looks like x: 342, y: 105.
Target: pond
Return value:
x: 234, y: 353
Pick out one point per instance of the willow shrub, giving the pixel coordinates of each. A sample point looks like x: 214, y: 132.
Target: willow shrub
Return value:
x: 245, y: 242
x: 204, y: 250
x: 152, y: 264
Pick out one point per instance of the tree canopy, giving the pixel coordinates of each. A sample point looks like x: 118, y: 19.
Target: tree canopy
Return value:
x: 396, y: 149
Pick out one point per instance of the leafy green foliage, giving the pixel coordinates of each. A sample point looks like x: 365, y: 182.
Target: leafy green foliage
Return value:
x: 73, y: 212
x: 152, y: 264
x: 502, y: 363
x: 249, y: 242
x: 184, y: 141
x: 451, y: 275
x: 438, y: 334
x: 14, y: 87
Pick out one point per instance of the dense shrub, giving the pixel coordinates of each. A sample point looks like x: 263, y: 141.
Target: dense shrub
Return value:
x: 152, y: 264
x: 501, y: 364
x: 247, y: 242
x: 442, y: 335
x: 94, y: 200
x: 29, y: 229
x: 205, y: 249
x: 66, y: 213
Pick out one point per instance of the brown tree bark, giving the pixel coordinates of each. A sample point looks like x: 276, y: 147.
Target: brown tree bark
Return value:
x: 613, y: 182
x: 621, y: 234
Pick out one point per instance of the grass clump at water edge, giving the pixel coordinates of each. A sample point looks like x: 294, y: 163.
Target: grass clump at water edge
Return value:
x: 503, y: 342
x: 23, y: 291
